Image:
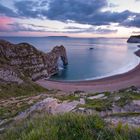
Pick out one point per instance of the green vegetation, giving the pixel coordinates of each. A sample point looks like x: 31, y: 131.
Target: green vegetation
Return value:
x: 69, y: 127
x: 12, y: 110
x: 14, y: 98
x: 126, y: 96
x: 123, y: 101
x: 69, y: 97
x: 98, y: 104
x: 94, y: 94
x: 25, y: 89
x: 126, y: 114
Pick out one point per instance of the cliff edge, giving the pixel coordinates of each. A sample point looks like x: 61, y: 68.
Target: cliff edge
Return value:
x: 134, y: 39
x: 20, y: 61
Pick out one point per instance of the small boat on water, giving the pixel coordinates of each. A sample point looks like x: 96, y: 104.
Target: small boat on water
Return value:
x: 91, y: 48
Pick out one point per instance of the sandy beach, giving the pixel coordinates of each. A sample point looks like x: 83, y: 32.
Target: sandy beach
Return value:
x: 112, y: 83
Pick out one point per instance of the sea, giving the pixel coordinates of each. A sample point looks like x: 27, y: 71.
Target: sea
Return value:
x: 88, y: 58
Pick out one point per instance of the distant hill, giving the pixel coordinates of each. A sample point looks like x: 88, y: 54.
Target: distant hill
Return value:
x: 134, y: 39
x: 57, y: 37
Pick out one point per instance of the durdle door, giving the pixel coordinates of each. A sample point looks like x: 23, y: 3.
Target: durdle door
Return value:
x: 18, y: 61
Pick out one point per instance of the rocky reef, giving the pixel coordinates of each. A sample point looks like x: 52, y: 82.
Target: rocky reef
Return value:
x: 20, y: 61
x: 134, y: 39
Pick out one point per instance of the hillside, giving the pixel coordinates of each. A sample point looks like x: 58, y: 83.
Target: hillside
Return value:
x: 134, y: 39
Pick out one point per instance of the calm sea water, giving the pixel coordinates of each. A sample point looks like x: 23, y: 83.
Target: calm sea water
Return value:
x: 109, y: 56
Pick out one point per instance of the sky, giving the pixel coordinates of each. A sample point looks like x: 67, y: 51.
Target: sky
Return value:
x: 75, y: 18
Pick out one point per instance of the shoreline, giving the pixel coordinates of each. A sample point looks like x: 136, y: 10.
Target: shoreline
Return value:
x: 111, y: 83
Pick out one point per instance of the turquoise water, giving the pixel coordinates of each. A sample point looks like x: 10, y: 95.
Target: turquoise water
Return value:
x: 109, y: 56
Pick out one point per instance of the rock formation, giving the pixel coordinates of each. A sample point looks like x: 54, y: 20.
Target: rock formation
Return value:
x: 24, y: 60
x: 134, y: 39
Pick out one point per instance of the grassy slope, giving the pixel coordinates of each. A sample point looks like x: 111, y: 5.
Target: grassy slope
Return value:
x: 69, y: 127
x: 9, y: 91
x: 13, y: 90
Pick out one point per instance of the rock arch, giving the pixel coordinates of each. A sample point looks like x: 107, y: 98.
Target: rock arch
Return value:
x: 30, y: 61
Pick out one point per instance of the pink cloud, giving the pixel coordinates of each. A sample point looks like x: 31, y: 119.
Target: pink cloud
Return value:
x: 4, y: 21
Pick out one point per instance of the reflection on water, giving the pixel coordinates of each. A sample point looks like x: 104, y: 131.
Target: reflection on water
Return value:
x: 108, y: 56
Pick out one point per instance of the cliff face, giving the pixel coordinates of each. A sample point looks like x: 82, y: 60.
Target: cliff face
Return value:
x: 24, y: 60
x: 134, y: 39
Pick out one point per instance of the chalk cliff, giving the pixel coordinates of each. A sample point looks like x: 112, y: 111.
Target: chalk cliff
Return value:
x: 134, y: 39
x: 24, y: 60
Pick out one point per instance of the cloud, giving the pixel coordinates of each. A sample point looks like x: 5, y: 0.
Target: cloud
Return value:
x: 17, y: 27
x: 106, y: 31
x: 134, y: 22
x: 7, y: 11
x: 136, y: 32
x: 27, y: 9
x: 80, y: 11
x: 74, y: 28
x: 85, y: 12
x: 4, y: 21
x: 90, y: 30
x: 112, y: 5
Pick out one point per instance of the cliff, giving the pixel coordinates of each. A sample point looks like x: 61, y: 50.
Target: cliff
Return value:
x: 134, y: 39
x: 19, y: 61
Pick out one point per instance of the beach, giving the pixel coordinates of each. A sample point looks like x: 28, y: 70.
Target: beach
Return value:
x: 112, y: 83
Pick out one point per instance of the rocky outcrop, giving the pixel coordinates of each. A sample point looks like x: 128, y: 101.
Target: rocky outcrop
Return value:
x: 9, y: 75
x: 134, y: 39
x: 24, y: 60
x: 137, y: 53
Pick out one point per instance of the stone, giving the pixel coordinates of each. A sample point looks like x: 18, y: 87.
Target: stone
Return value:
x: 24, y: 60
x: 8, y: 75
x: 51, y: 106
x: 130, y: 120
x: 82, y: 101
x: 99, y: 96
x: 2, y: 130
x: 136, y: 102
x: 117, y: 98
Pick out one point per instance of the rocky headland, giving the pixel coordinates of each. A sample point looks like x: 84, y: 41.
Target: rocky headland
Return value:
x: 134, y: 39
x: 21, y: 61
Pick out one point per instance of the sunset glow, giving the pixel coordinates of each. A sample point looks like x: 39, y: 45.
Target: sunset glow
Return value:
x: 76, y: 18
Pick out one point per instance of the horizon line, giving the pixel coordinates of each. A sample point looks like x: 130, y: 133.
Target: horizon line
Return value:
x: 65, y: 36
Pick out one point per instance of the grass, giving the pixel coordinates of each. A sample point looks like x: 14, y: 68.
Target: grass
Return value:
x: 98, y: 104
x: 126, y: 97
x: 70, y: 97
x: 69, y: 127
x: 25, y: 89
x: 130, y: 93
x: 126, y: 114
x: 13, y: 110
x: 123, y: 101
x: 95, y: 94
x: 20, y: 92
